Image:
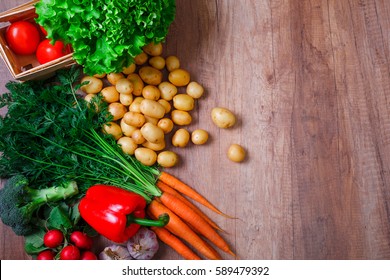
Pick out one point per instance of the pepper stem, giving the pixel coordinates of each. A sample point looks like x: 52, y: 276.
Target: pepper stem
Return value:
x: 163, y: 219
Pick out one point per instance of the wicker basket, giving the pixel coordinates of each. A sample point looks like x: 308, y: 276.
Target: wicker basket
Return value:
x: 26, y: 67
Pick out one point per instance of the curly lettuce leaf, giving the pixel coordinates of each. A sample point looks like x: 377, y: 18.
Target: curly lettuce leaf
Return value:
x: 106, y: 35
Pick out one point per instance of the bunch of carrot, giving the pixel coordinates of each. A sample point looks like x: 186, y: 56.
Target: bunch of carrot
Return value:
x: 188, y: 225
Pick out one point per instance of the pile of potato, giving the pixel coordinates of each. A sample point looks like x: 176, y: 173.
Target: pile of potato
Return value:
x: 146, y: 106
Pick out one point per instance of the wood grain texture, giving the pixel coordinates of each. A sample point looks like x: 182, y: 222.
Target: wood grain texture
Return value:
x: 310, y: 84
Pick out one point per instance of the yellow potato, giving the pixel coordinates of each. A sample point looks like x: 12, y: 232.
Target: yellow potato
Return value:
x: 152, y: 108
x: 183, y: 102
x: 110, y: 94
x: 113, y: 129
x: 222, y: 117
x: 151, y: 120
x: 181, y: 138
x: 195, y: 90
x: 150, y: 75
x: 165, y: 124
x: 100, y: 76
x: 236, y: 153
x: 154, y: 146
x: 199, y: 136
x: 138, y: 84
x: 127, y: 145
x: 126, y: 99
x: 127, y: 130
x: 136, y: 104
x: 167, y: 159
x: 89, y: 97
x: 180, y: 117
x: 152, y: 133
x: 167, y: 90
x: 146, y: 156
x: 141, y: 58
x: 134, y: 119
x: 129, y: 69
x: 167, y: 106
x: 124, y: 86
x: 151, y: 92
x: 113, y: 78
x: 117, y: 110
x: 153, y: 49
x: 157, y: 62
x: 93, y: 86
x: 138, y: 137
x: 172, y: 63
x: 179, y: 77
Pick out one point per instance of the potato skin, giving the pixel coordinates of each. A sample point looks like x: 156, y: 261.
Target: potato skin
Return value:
x: 179, y: 77
x: 181, y: 138
x: 167, y: 159
x: 236, y: 153
x: 151, y: 75
x: 93, y: 86
x: 180, y: 117
x: 152, y: 108
x: 223, y: 117
x: 199, y: 136
x: 146, y: 156
x: 152, y: 133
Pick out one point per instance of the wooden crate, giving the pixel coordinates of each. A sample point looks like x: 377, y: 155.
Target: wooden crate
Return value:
x: 26, y: 67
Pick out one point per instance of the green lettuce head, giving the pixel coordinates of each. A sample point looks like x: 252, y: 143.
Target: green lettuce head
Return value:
x: 106, y: 35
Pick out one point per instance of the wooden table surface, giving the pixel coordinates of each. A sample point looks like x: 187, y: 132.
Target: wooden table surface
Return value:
x: 310, y: 84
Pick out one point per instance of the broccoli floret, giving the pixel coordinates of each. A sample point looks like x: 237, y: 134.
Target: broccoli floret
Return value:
x: 18, y: 201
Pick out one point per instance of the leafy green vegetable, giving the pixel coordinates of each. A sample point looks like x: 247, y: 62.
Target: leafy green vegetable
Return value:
x: 19, y: 202
x: 33, y: 243
x: 106, y: 35
x: 59, y: 219
x: 51, y: 134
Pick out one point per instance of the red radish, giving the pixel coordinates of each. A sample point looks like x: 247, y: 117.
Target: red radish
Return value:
x: 46, y: 255
x: 53, y: 238
x: 70, y: 252
x: 88, y: 255
x: 81, y: 240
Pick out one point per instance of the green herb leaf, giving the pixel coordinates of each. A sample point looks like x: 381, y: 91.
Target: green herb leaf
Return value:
x: 34, y: 242
x: 59, y: 219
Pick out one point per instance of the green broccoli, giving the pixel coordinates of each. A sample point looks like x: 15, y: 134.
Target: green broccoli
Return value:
x: 19, y: 202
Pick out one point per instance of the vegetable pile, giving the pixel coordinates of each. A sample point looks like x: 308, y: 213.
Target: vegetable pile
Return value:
x: 51, y: 135
x: 148, y: 109
x: 106, y: 35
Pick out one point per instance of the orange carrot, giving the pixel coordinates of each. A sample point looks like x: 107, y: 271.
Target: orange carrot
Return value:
x: 165, y: 188
x: 175, y: 243
x: 189, y: 216
x: 182, y: 230
x: 181, y: 187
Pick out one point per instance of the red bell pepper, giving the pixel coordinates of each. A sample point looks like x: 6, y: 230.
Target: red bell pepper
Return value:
x: 115, y: 213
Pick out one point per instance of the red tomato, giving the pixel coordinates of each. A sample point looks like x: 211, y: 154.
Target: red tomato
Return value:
x: 47, y: 52
x: 53, y: 238
x: 88, y: 255
x: 43, y: 30
x: 70, y: 252
x: 81, y: 240
x: 46, y: 255
x: 22, y: 37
